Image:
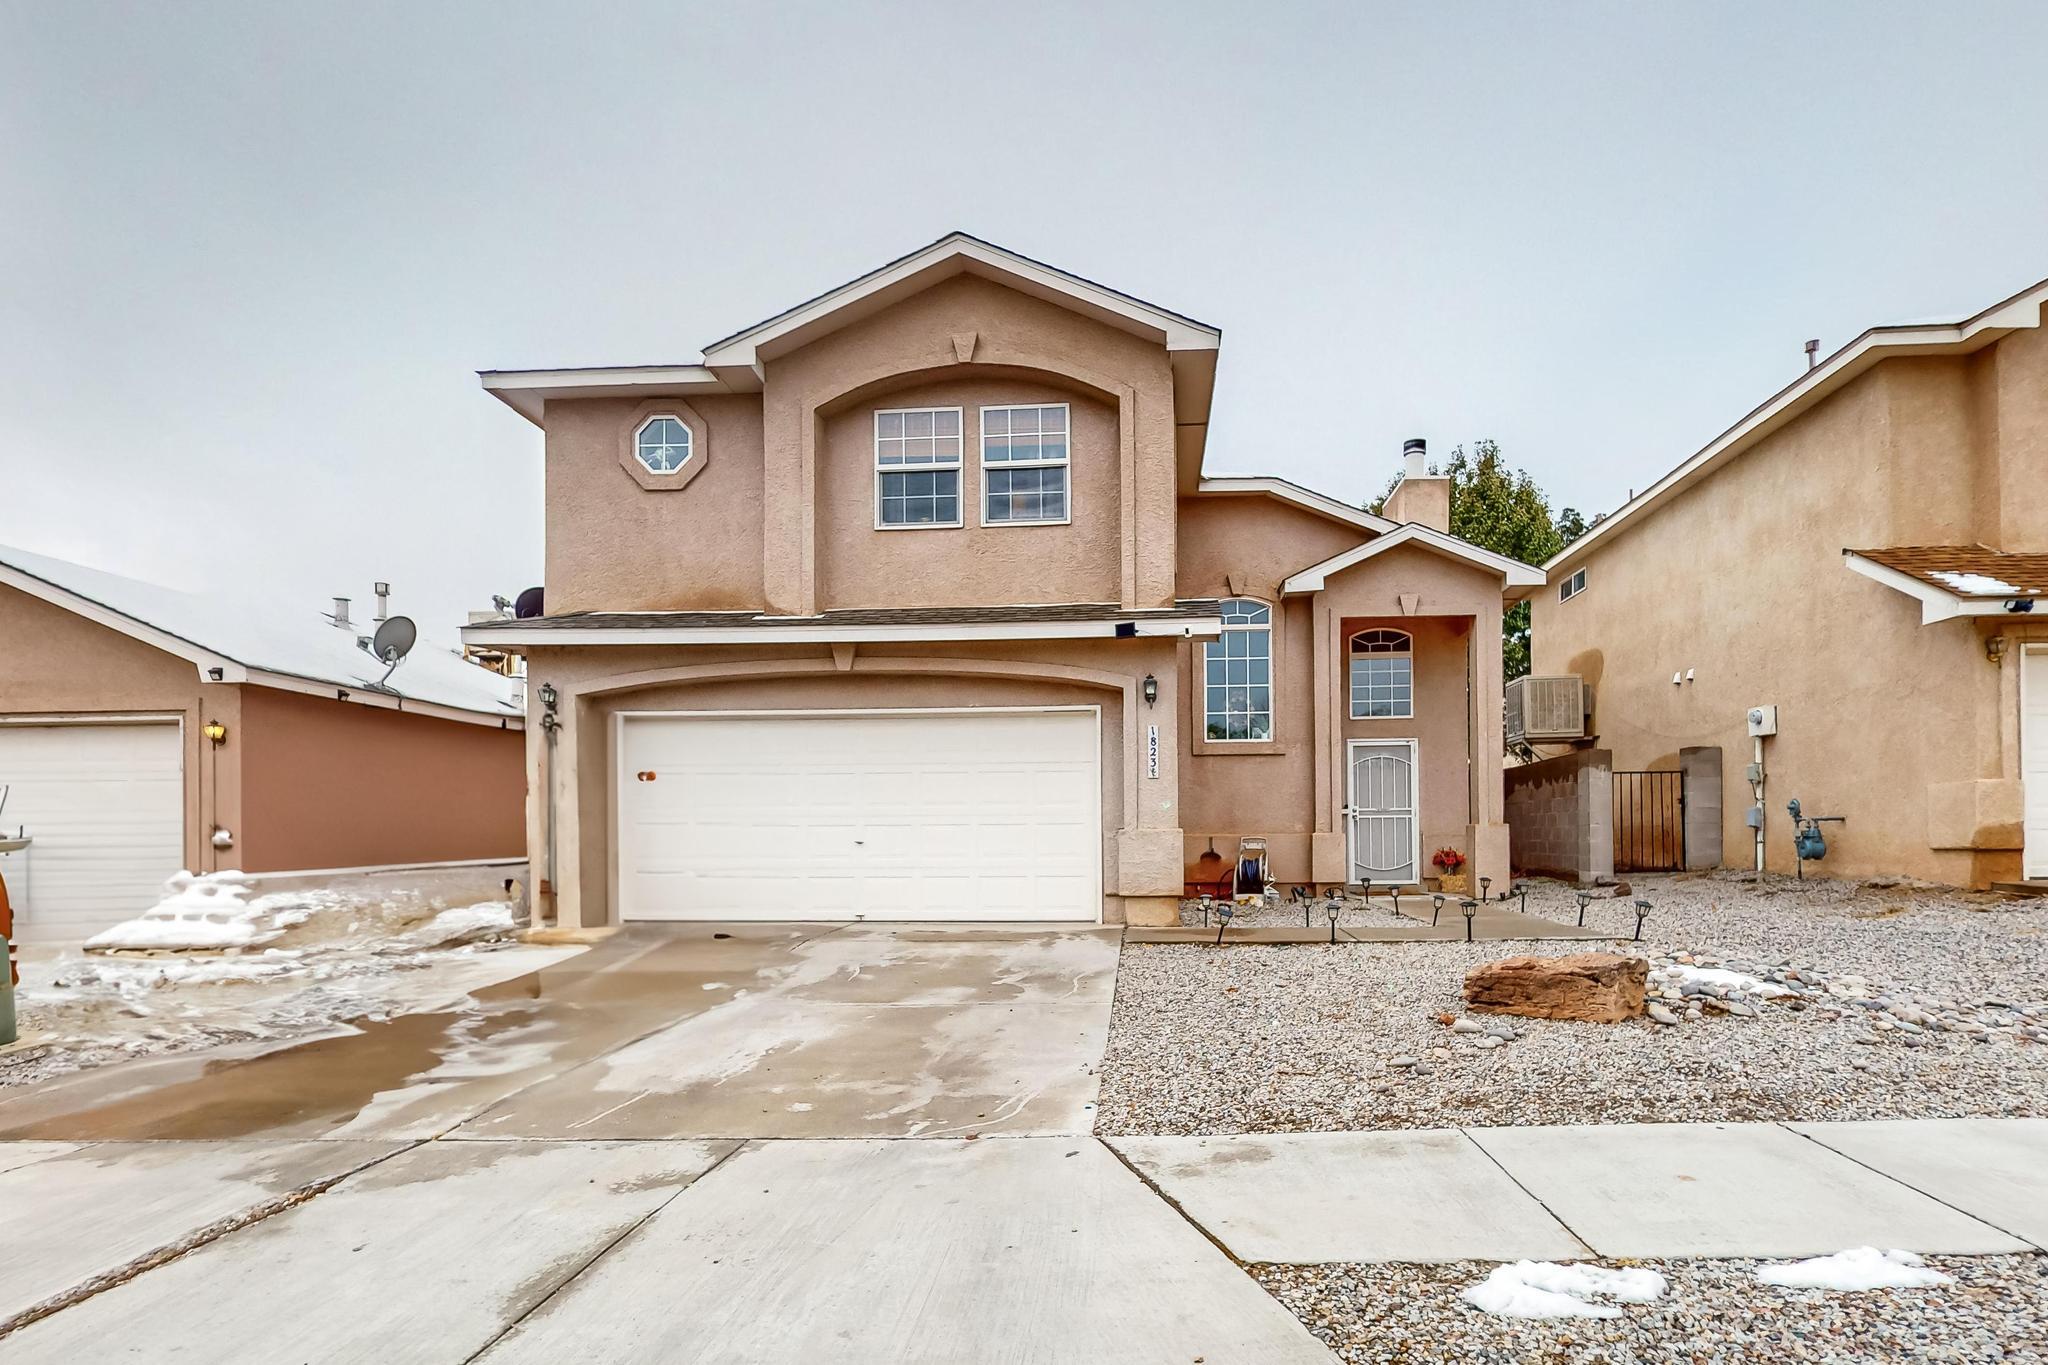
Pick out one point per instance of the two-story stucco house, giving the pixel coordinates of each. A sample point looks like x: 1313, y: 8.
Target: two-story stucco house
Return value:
x: 1864, y: 559
x: 913, y: 602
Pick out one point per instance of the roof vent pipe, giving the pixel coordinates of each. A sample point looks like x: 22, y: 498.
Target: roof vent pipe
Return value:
x: 1813, y: 353
x: 383, y: 601
x: 340, y: 617
x: 1414, y: 458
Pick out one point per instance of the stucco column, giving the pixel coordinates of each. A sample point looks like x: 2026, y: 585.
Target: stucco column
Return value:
x: 1150, y: 845
x: 786, y: 494
x: 1330, y: 844
x: 1490, y: 852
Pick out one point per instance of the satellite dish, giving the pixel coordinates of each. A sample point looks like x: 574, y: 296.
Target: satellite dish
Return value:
x: 392, y: 642
x: 529, y: 605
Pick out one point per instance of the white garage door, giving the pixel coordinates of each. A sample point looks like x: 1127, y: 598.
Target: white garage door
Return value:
x: 105, y: 805
x: 981, y: 815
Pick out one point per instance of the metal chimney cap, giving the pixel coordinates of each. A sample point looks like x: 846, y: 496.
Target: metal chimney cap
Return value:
x: 1414, y: 443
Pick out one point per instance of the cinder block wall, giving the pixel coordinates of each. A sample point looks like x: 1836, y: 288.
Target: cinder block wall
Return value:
x: 1561, y: 816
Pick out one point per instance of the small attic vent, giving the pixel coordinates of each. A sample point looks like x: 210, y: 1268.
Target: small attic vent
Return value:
x: 1547, y: 710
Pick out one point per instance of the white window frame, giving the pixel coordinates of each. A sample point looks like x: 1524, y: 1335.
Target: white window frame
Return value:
x: 958, y: 466
x: 1065, y: 462
x: 1272, y: 676
x: 1351, y: 657
x: 689, y: 443
x: 1572, y: 586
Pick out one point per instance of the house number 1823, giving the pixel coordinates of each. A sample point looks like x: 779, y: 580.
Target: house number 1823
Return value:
x: 1151, y: 751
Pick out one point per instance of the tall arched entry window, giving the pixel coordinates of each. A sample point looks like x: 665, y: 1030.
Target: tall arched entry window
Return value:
x: 1237, y: 671
x: 1382, y: 675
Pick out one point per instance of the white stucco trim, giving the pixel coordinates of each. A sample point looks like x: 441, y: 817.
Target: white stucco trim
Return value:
x: 2022, y: 310
x: 1294, y: 493
x: 514, y: 634
x: 956, y: 253
x: 527, y: 392
x: 1938, y: 604
x: 1514, y: 573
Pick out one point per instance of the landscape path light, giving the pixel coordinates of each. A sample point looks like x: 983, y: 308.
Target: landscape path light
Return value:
x: 1437, y: 902
x: 1224, y: 910
x: 1642, y: 913
x: 1485, y: 888
x: 1468, y: 907
x: 1336, y: 909
x: 1208, y: 904
x: 1521, y: 888
x: 1585, y: 899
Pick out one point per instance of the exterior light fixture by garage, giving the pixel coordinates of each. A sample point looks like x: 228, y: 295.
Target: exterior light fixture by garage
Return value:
x: 1151, y: 690
x: 1468, y: 908
x: 549, y: 721
x: 1642, y: 913
x: 1994, y: 648
x: 1436, y: 902
x: 216, y: 732
x: 1585, y: 899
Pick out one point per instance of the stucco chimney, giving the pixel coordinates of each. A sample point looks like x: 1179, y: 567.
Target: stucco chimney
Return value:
x: 383, y: 601
x: 340, y: 617
x: 1421, y: 497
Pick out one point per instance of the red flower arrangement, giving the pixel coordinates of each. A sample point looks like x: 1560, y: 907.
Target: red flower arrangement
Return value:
x: 1448, y: 860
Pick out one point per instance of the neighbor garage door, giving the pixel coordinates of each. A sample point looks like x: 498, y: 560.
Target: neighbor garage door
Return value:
x: 979, y: 815
x: 105, y: 805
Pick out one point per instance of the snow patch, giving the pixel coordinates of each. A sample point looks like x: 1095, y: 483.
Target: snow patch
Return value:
x: 1543, y: 1289
x: 465, y: 924
x: 1718, y: 976
x: 1855, y: 1269
x: 213, y: 911
x: 1977, y: 584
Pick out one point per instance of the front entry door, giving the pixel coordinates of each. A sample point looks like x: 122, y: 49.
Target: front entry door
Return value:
x: 1381, y: 812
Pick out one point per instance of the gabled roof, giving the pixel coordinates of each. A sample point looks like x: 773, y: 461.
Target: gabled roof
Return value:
x: 2022, y: 310
x: 257, y: 643
x: 1513, y: 572
x: 1306, y: 498
x: 1957, y: 580
x: 733, y: 364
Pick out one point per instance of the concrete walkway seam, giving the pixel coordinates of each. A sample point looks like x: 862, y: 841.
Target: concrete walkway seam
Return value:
x: 1591, y: 1252
x: 1899, y: 1180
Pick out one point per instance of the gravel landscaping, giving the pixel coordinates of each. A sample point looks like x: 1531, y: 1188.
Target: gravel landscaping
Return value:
x: 1880, y: 1001
x: 1711, y: 1311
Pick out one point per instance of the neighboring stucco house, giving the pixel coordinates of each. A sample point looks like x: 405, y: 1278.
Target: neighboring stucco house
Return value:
x: 913, y: 602
x: 144, y: 730
x: 1867, y: 552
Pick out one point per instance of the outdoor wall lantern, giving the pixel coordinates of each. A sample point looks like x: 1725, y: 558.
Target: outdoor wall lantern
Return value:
x: 1642, y: 913
x: 548, y: 696
x: 1437, y: 904
x: 1151, y: 690
x: 215, y: 732
x: 1468, y: 908
x: 1994, y: 648
x: 1585, y: 899
x: 1336, y: 908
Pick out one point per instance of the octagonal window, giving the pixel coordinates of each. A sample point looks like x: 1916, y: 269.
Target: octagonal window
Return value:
x: 662, y: 444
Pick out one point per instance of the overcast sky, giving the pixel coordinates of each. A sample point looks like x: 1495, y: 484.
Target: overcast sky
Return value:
x: 251, y: 255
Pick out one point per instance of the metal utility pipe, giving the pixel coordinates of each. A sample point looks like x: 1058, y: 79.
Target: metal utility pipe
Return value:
x: 1757, y: 793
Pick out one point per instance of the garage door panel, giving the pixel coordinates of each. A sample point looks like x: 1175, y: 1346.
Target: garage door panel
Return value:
x: 105, y: 805
x: 935, y: 815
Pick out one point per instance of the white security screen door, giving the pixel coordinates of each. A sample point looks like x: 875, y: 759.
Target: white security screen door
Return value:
x: 2034, y: 758
x: 1381, y: 811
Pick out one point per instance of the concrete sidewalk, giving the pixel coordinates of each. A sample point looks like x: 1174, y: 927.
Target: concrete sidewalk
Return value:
x: 1964, y: 1186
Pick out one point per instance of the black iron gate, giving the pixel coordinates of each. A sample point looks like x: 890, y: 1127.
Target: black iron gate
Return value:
x: 1649, y: 821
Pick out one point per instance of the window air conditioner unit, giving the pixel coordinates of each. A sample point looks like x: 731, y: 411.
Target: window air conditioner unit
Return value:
x: 1547, y: 710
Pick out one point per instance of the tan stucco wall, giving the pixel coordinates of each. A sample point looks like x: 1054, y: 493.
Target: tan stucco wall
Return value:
x: 333, y: 784
x: 54, y: 663
x: 1141, y: 831
x: 697, y: 548
x: 1905, y: 729
x: 971, y: 563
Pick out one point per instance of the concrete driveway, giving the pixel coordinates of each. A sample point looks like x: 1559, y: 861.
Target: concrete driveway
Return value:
x: 734, y: 1144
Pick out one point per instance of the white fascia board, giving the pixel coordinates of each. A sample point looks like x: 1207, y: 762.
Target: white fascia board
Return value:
x: 1514, y: 573
x: 1936, y: 604
x: 1178, y: 333
x: 527, y: 392
x: 2022, y: 310
x: 192, y: 652
x: 364, y: 695
x: 1307, y: 498
x: 842, y: 635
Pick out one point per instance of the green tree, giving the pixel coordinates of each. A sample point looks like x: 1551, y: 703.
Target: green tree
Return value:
x: 1500, y: 508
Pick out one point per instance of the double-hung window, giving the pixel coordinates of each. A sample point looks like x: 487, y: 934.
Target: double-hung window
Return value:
x: 1382, y: 675
x: 1024, y: 465
x: 1238, y: 674
x: 917, y: 467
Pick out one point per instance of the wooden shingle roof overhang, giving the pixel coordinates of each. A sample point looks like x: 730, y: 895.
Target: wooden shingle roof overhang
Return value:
x: 1958, y: 580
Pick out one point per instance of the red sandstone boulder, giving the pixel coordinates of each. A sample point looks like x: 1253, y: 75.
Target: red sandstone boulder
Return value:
x: 1601, y: 988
